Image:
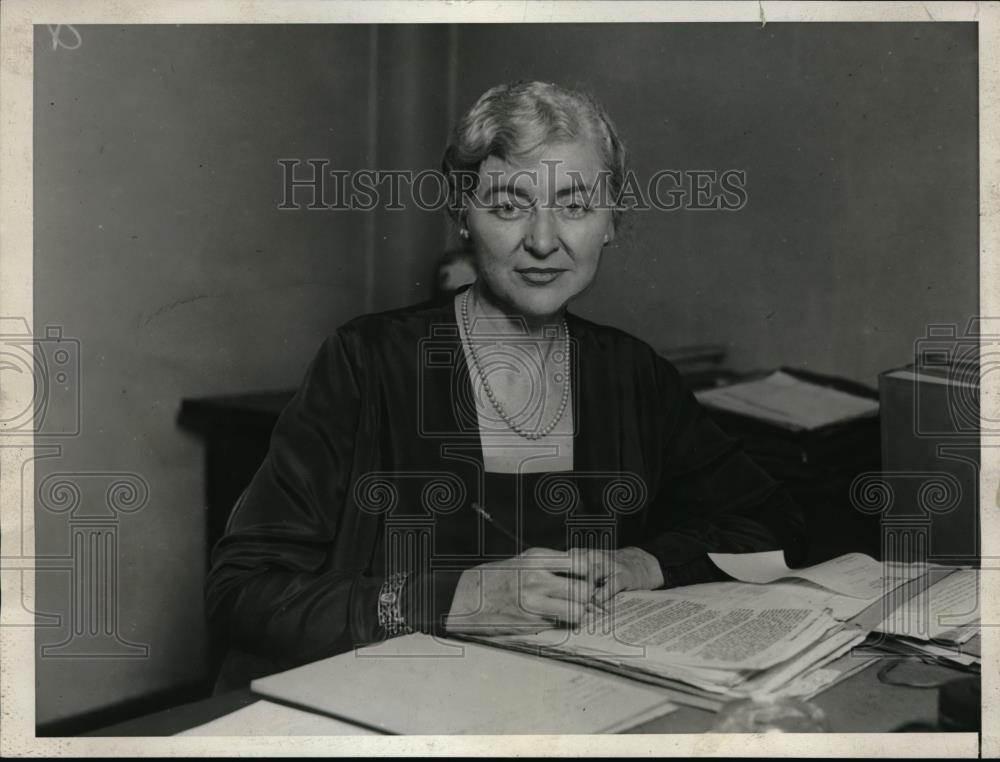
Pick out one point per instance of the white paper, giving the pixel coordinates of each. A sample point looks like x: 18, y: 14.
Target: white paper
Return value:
x: 714, y: 640
x: 854, y: 574
x: 683, y: 630
x: 787, y: 679
x: 788, y: 401
x: 418, y: 685
x: 798, y: 592
x: 265, y: 718
x: 945, y: 610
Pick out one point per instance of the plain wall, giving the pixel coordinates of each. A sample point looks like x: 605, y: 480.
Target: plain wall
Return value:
x: 860, y: 144
x: 159, y: 245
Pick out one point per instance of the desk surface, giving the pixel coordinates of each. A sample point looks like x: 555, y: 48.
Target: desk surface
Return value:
x: 860, y: 704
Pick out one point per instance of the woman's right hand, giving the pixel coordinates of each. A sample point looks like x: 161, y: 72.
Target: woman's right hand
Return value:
x: 530, y: 592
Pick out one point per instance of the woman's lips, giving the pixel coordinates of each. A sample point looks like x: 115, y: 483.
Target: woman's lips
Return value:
x: 540, y: 277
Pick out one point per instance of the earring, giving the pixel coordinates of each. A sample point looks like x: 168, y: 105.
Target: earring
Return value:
x: 606, y: 238
x: 464, y: 233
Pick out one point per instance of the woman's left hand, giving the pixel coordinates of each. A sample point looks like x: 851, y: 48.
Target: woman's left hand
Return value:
x: 616, y: 570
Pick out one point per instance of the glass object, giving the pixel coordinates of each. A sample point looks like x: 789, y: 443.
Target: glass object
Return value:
x: 770, y: 714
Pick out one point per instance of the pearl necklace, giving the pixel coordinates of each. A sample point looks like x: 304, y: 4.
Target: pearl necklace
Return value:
x: 489, y: 391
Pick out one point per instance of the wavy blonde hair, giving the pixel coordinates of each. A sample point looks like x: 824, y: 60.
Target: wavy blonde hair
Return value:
x: 514, y: 120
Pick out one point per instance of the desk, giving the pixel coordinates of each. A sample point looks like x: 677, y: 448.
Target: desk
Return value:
x: 236, y: 431
x: 860, y: 704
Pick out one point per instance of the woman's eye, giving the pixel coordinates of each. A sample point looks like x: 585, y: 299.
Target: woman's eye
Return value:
x: 507, y: 209
x: 575, y: 209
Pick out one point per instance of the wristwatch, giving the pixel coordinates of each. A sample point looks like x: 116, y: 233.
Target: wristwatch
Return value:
x: 390, y: 615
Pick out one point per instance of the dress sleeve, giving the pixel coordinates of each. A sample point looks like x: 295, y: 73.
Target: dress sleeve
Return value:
x: 270, y: 590
x: 712, y: 497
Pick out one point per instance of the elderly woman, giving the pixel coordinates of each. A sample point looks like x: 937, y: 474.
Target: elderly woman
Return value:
x: 490, y: 462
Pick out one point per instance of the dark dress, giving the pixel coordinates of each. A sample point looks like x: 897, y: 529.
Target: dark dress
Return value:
x: 375, y: 463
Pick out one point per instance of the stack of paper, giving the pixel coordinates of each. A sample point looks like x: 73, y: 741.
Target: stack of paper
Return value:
x: 947, y: 610
x: 968, y: 656
x: 939, y: 622
x: 914, y: 608
x: 708, y: 643
x: 790, y: 402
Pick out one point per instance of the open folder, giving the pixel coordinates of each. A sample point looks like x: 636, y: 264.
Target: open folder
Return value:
x: 418, y: 685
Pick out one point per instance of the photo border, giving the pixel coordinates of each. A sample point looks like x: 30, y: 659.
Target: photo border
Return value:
x: 17, y: 644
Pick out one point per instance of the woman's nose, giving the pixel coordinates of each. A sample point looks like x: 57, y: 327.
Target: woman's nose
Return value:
x: 542, y: 237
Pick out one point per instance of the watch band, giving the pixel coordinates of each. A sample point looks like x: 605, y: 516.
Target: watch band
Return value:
x: 390, y: 615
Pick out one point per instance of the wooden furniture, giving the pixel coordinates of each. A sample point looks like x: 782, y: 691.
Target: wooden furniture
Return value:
x: 236, y: 430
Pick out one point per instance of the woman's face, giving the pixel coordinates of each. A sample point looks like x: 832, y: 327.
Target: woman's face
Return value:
x: 538, y: 227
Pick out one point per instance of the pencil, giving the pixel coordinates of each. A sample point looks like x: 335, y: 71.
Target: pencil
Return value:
x: 519, y: 543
